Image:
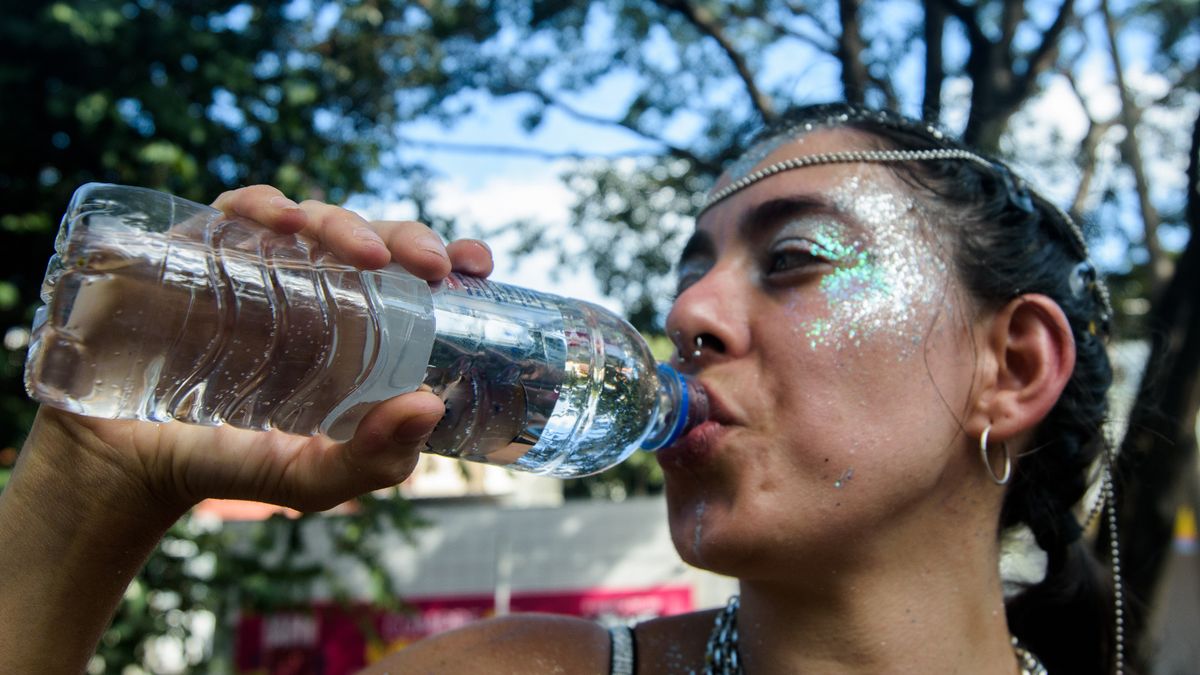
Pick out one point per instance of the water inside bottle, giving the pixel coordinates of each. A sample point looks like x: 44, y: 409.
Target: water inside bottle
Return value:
x: 192, y: 326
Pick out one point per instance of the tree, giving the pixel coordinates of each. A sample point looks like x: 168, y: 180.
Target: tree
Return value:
x: 195, y: 98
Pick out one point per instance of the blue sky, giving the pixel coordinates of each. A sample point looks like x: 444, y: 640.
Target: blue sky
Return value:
x: 485, y: 187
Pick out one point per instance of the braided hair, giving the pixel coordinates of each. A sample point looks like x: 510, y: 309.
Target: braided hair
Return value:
x: 1008, y: 241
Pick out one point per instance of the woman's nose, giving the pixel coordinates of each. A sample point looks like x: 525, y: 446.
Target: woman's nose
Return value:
x: 708, y: 320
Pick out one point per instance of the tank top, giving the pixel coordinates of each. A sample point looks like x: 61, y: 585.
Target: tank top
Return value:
x: 623, y: 659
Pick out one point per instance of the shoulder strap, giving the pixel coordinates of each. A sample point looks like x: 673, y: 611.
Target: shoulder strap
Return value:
x: 623, y: 660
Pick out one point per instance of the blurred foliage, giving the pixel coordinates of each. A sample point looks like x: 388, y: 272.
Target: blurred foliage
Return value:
x: 203, y: 568
x: 195, y: 98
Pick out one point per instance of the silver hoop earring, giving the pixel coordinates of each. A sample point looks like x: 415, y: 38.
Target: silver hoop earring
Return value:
x: 983, y: 454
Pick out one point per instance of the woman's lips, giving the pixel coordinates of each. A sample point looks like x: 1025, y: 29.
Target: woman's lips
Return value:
x: 701, y: 442
x: 695, y: 447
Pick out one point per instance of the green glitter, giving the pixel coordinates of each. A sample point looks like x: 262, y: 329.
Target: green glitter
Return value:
x: 849, y: 288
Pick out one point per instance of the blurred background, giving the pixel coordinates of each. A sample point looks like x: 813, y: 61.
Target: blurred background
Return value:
x: 579, y: 137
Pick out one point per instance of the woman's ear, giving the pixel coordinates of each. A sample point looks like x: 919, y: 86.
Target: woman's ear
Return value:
x: 1027, y: 358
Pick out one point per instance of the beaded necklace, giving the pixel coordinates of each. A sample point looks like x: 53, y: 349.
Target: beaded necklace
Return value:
x: 721, y: 653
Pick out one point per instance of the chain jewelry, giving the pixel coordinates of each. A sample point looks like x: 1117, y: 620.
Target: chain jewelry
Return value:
x: 1107, y: 504
x: 1027, y: 662
x: 721, y: 653
x: 1115, y: 555
x: 845, y: 157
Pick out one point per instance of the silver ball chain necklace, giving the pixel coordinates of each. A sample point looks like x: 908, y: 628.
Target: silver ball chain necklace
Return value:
x: 721, y: 652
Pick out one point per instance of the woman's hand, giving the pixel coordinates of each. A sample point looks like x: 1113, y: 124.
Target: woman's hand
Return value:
x: 90, y: 498
x: 175, y: 465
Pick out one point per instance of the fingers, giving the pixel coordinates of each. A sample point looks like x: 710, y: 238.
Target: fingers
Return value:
x: 470, y: 256
x: 345, y: 234
x: 415, y: 247
x: 355, y: 241
x: 263, y: 204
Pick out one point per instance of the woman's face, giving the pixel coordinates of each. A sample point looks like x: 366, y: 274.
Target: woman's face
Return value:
x: 839, y: 359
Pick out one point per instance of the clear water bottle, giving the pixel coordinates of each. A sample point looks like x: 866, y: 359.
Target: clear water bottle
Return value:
x: 157, y: 308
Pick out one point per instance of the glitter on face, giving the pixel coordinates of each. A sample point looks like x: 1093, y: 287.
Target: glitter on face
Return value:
x: 881, y: 287
x: 696, y: 534
x: 760, y: 151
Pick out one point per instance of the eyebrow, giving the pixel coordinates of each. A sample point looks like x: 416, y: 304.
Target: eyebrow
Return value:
x: 770, y: 214
x: 761, y: 218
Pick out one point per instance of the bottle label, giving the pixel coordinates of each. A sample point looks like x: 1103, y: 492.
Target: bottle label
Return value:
x: 475, y: 287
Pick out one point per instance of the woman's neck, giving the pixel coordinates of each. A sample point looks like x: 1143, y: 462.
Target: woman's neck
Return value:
x: 929, y: 608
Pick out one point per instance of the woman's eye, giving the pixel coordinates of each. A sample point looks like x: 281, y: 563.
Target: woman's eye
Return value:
x: 794, y: 257
x: 689, y: 273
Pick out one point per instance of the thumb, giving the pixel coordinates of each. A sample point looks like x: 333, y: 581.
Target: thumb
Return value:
x: 389, y: 439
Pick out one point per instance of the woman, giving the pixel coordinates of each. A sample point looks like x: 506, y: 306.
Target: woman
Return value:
x: 904, y: 354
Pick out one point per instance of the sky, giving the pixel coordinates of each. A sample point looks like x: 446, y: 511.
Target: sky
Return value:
x: 488, y: 190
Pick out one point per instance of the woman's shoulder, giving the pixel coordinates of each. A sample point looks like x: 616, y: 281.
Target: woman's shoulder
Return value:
x: 674, y: 644
x: 536, y: 643
x: 516, y: 643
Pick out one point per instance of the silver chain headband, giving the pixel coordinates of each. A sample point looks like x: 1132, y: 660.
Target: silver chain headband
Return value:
x: 1083, y: 276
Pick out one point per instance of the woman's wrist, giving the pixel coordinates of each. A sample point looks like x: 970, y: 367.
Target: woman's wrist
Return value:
x: 76, y: 529
x: 71, y: 479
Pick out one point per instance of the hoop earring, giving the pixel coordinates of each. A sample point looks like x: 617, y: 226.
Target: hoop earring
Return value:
x: 983, y: 454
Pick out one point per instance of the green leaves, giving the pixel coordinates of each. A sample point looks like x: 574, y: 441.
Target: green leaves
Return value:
x: 90, y: 22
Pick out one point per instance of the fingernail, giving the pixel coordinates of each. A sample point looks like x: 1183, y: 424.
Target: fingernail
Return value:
x: 368, y: 236
x: 283, y: 203
x: 430, y: 242
x: 414, y: 430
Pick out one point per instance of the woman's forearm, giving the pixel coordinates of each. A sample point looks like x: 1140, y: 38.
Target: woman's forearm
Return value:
x: 73, y: 533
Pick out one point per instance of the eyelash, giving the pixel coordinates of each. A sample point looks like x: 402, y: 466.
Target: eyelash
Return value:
x: 809, y: 253
x: 800, y: 253
x: 688, y: 274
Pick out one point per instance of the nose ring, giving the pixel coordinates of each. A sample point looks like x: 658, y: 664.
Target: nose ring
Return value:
x: 699, y: 346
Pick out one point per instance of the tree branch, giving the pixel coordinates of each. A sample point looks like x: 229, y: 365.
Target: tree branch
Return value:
x: 798, y: 9
x: 1161, y: 267
x: 674, y: 150
x: 966, y: 16
x: 704, y: 21
x: 784, y: 31
x: 1011, y: 15
x: 850, y: 52
x: 1042, y: 58
x: 935, y: 73
x: 1086, y: 159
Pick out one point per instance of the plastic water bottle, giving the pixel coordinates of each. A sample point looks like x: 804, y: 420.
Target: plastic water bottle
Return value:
x: 157, y: 308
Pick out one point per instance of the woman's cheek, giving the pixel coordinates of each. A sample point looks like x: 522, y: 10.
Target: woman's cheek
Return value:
x: 882, y: 292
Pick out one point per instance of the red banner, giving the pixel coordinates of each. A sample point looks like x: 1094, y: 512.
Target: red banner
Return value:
x: 337, y: 640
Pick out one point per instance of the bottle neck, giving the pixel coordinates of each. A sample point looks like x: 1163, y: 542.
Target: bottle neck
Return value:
x: 682, y: 404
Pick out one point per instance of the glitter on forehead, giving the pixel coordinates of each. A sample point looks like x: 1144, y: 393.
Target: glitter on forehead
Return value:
x: 759, y: 152
x: 883, y: 287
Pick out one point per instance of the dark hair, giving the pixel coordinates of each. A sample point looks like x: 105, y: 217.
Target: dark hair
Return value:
x: 1010, y: 241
